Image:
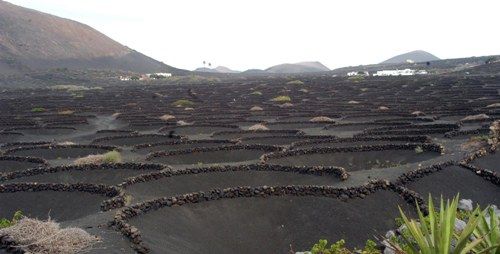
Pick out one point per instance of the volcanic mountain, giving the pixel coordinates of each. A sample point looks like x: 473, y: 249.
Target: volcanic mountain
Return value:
x: 32, y: 40
x: 301, y: 67
x: 416, y: 56
x: 218, y: 69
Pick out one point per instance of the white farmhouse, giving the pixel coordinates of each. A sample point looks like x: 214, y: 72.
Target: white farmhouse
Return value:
x: 405, y: 72
x: 358, y: 73
x: 159, y: 75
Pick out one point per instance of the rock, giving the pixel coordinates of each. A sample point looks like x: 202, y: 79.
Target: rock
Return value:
x: 465, y: 205
x: 390, y: 234
x: 459, y: 225
x: 388, y: 250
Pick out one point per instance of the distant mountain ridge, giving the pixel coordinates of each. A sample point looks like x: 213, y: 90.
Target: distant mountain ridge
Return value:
x: 302, y: 67
x: 31, y: 39
x: 218, y: 69
x: 416, y: 56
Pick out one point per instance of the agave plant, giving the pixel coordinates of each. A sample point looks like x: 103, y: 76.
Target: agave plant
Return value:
x: 488, y: 229
x: 434, y: 234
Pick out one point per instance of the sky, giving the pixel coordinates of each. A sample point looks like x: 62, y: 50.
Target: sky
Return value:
x: 256, y: 34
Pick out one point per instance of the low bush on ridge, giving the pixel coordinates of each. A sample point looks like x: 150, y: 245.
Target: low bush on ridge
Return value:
x: 183, y: 103
x: 281, y: 99
x: 96, y: 159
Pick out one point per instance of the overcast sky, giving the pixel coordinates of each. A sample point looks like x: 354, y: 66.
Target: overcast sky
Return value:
x: 244, y: 34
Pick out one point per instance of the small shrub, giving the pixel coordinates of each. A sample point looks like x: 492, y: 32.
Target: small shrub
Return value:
x: 167, y: 117
x: 494, y: 105
x: 66, y: 112
x: 417, y: 113
x: 183, y: 103
x: 258, y: 127
x: 321, y: 119
x: 476, y: 117
x: 5, y: 223
x: 295, y: 82
x: 256, y: 108
x: 419, y: 150
x: 112, y: 157
x: 282, y: 99
x: 109, y: 157
x: 183, y: 123
x: 494, y: 138
x: 286, y: 105
x: 38, y: 110
x: 339, y: 248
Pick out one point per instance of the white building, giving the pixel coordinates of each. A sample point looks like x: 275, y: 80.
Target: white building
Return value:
x: 358, y: 73
x: 159, y: 74
x: 405, y: 72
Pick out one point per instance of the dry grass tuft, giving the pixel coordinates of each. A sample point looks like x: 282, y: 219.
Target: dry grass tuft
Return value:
x: 256, y: 108
x: 494, y: 105
x: 321, y: 119
x: 66, y: 112
x: 495, y: 134
x: 167, y: 117
x: 96, y: 159
x: 183, y: 123
x: 418, y: 113
x: 258, y: 127
x: 46, y: 237
x: 476, y: 117
x: 286, y: 105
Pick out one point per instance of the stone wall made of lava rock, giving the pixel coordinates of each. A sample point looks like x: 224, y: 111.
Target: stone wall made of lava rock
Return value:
x: 114, y: 193
x: 178, y: 142
x: 41, y: 161
x: 85, y: 167
x: 120, y: 221
x: 56, y: 146
x: 419, y: 139
x: 110, y: 138
x: 323, y: 150
x: 338, y: 171
x: 266, y: 148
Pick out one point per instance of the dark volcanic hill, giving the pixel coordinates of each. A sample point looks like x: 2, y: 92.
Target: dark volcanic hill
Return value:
x: 302, y: 67
x: 34, y: 40
x: 416, y: 56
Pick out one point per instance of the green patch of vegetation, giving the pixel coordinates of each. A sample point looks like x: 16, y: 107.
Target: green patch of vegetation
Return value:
x: 38, y: 110
x: 339, y: 248
x: 5, y: 223
x: 419, y: 150
x: 282, y: 99
x: 295, y: 82
x: 183, y: 103
x: 112, y: 157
